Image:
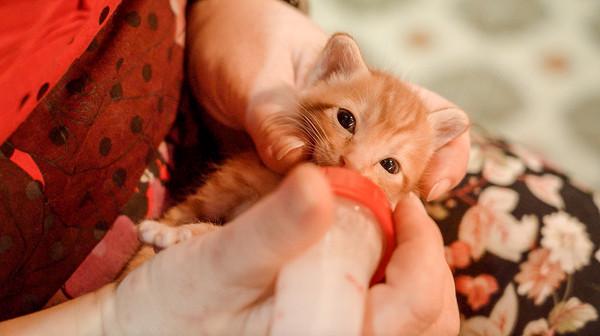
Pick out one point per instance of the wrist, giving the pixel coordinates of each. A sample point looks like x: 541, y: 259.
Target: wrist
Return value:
x: 87, y: 315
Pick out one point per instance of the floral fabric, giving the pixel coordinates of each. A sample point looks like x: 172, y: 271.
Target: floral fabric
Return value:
x: 523, y: 241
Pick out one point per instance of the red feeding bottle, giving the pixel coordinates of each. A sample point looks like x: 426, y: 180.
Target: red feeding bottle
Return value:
x: 323, y: 291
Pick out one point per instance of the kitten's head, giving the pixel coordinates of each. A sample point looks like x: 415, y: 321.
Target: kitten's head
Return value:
x: 370, y: 122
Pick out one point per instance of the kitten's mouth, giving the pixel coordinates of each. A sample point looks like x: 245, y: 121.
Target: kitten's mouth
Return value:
x: 319, y: 154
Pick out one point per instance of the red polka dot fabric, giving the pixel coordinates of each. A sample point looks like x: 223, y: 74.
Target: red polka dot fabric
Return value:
x: 39, y: 40
x: 87, y: 98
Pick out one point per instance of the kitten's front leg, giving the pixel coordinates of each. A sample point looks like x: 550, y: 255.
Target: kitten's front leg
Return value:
x: 161, y: 235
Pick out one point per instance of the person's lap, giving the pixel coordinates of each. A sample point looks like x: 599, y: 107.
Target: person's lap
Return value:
x: 522, y: 239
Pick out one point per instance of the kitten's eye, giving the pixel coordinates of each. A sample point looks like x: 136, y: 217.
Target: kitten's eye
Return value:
x: 391, y: 165
x: 346, y: 119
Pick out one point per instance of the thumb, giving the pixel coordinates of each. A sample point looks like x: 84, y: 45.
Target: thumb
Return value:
x: 448, y: 165
x: 273, y: 132
x: 281, y: 226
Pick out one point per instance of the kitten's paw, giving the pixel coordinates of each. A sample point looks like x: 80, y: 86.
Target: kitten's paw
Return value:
x: 161, y: 235
x: 147, y: 229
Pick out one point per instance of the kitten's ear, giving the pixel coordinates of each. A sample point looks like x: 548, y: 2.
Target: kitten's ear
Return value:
x: 340, y: 55
x: 447, y: 125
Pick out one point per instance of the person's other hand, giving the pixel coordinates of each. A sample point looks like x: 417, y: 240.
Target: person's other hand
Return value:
x: 247, y: 59
x: 220, y: 283
x: 418, y: 296
x: 449, y: 164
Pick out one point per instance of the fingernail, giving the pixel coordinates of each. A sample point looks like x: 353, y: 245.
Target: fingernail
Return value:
x: 439, y: 189
x: 290, y: 145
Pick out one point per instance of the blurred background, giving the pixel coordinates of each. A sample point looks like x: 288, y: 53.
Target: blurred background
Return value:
x: 526, y: 70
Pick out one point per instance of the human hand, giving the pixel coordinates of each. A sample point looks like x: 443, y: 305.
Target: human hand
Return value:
x: 247, y: 60
x: 418, y: 296
x: 221, y: 282
x: 449, y: 163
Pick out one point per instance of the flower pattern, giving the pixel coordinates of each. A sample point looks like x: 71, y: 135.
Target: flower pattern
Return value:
x: 566, y: 316
x: 501, y: 321
x: 539, y: 277
x: 477, y: 290
x: 458, y: 254
x: 538, y: 328
x: 567, y: 240
x: 475, y: 163
x: 501, y: 169
x: 546, y: 188
x: 489, y: 225
x: 496, y: 166
x: 571, y: 315
x: 530, y: 159
x: 528, y: 232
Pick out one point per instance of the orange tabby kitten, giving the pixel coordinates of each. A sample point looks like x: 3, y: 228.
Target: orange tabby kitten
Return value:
x: 349, y: 116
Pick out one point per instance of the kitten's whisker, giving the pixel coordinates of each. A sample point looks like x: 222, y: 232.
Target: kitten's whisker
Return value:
x: 324, y: 133
x: 318, y: 128
x: 290, y: 121
x: 306, y: 127
x: 317, y: 132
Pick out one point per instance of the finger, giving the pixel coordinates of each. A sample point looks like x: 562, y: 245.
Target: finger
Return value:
x: 280, y: 153
x: 252, y: 249
x: 419, y: 241
x: 411, y: 299
x: 448, y: 322
x: 233, y: 266
x: 449, y: 164
x: 447, y: 167
x: 275, y: 141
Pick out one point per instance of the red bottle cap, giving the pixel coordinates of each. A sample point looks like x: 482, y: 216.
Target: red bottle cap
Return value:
x: 351, y: 185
